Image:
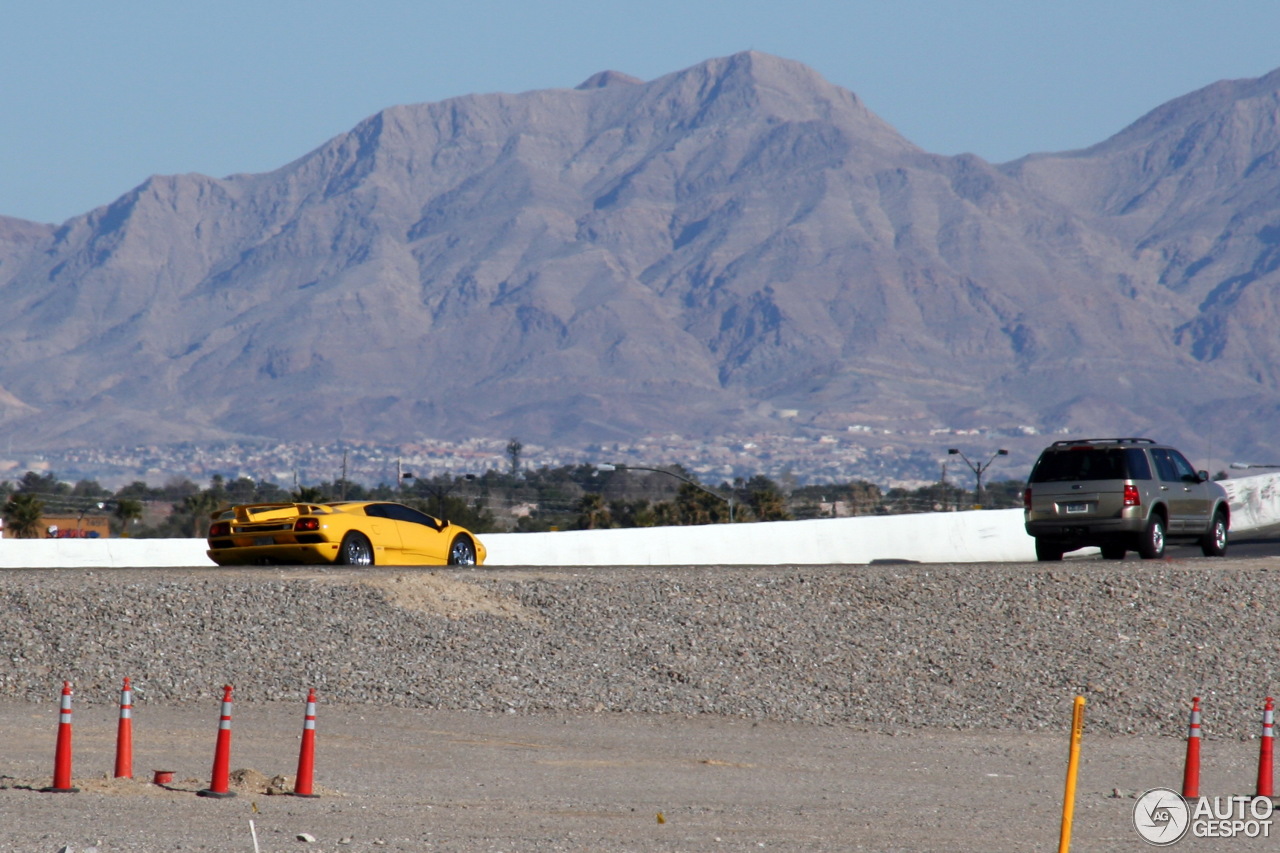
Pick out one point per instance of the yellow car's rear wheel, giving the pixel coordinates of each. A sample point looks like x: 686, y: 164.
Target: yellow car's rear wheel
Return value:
x: 355, y: 550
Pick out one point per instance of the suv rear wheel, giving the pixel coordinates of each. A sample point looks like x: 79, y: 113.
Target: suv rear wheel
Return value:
x: 1151, y: 545
x: 1047, y: 552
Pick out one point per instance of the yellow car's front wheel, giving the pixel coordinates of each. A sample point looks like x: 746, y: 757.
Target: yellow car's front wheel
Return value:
x: 462, y: 552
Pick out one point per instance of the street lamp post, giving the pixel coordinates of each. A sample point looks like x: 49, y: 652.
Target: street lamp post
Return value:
x: 977, y: 469
x: 440, y: 493
x: 618, y: 466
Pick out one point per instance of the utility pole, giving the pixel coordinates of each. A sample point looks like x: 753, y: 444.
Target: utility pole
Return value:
x: 618, y: 466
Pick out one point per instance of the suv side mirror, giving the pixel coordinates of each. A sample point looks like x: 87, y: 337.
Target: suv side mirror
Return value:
x: 1203, y: 475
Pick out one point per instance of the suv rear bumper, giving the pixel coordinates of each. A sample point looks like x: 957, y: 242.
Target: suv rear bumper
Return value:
x: 1082, y: 533
x: 1086, y: 532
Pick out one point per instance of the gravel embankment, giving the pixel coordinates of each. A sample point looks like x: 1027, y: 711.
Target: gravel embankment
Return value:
x: 876, y: 648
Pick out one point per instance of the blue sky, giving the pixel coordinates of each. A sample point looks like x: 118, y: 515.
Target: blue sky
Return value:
x: 98, y: 96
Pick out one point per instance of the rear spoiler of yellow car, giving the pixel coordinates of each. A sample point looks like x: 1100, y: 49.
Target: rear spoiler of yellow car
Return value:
x: 248, y: 513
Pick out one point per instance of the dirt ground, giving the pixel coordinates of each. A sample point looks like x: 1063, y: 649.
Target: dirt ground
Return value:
x: 397, y: 780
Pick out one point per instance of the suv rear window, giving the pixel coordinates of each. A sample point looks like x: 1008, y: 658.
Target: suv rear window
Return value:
x: 1091, y: 463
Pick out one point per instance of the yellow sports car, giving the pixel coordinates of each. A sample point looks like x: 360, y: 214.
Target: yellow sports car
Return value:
x: 351, y: 533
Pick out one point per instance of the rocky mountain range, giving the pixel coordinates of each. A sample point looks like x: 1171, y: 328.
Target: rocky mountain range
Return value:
x: 739, y: 246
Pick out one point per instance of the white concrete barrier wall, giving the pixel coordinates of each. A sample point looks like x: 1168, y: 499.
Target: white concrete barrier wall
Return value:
x: 106, y: 553
x: 949, y: 537
x: 1255, y: 501
x: 935, y: 537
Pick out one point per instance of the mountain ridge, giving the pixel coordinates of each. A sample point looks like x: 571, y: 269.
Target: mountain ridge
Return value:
x: 722, y: 245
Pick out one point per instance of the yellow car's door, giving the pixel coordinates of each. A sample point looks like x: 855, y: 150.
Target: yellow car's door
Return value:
x: 384, y: 534
x: 422, y: 538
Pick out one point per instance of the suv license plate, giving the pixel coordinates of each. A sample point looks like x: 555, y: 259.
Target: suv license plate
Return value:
x: 1077, y: 507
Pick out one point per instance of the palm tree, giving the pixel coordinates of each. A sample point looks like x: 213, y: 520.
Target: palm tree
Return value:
x: 193, y: 514
x: 22, y: 515
x: 766, y: 502
x: 514, y: 447
x: 308, y: 495
x: 696, y: 505
x: 127, y: 512
x: 592, y: 512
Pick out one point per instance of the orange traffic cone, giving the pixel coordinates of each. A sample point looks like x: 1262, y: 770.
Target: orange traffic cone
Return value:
x: 62, y: 752
x: 220, y: 786
x: 307, y: 753
x: 124, y: 734
x: 1191, y: 772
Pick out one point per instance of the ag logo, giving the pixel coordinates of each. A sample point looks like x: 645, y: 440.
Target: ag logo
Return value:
x: 1161, y: 817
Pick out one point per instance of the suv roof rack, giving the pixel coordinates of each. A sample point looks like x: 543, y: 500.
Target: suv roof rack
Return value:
x: 1074, y: 441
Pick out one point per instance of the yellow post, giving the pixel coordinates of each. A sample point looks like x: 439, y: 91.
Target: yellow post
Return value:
x: 1073, y: 766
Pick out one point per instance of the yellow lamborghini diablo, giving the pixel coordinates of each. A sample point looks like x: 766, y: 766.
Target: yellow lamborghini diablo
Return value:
x: 354, y: 533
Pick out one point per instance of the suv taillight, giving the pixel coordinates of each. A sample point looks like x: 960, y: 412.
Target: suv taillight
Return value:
x: 1026, y: 498
x: 1131, y: 496
x: 220, y: 528
x: 304, y: 524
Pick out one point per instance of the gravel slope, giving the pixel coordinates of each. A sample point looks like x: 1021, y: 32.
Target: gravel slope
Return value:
x: 876, y: 648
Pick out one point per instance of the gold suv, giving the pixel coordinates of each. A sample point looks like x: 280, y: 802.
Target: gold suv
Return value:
x: 1122, y: 494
